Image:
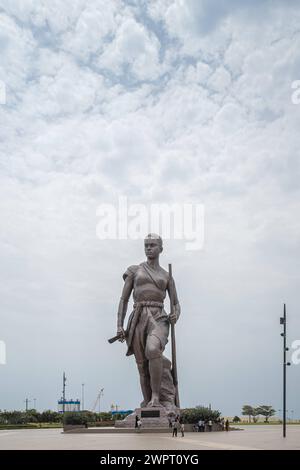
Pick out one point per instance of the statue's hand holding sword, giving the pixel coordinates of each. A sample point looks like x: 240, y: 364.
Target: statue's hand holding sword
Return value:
x: 120, y: 336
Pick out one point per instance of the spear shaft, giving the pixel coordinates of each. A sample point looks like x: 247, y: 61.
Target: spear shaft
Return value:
x: 173, y: 338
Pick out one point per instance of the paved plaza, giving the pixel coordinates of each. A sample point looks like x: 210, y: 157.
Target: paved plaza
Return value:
x: 249, y: 438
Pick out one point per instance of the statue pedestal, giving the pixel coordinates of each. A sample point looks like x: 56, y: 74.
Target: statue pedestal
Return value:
x: 152, y: 417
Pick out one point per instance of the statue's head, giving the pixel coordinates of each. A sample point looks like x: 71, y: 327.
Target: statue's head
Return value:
x: 153, y: 245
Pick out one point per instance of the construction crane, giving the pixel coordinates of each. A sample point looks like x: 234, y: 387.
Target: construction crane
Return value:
x: 98, y: 399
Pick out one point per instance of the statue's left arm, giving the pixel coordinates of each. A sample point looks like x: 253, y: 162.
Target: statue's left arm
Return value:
x: 176, y: 313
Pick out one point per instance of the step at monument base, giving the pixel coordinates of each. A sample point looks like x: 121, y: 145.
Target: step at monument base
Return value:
x: 151, y: 417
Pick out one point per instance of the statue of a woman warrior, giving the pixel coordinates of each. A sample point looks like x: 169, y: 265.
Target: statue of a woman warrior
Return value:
x: 148, y: 325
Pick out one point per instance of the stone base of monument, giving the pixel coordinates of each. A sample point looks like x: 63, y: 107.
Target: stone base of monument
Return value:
x: 151, y: 418
x: 112, y: 430
x: 106, y: 430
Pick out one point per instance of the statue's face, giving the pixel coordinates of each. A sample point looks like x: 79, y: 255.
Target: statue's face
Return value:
x: 152, y: 248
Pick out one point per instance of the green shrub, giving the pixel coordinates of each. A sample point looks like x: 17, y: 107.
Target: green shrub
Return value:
x: 76, y: 417
x: 49, y: 416
x: 193, y: 415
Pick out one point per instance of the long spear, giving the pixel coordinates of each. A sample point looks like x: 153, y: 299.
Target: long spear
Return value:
x: 173, y: 341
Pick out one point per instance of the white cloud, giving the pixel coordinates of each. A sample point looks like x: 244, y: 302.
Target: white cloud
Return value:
x: 17, y: 45
x: 70, y: 90
x: 220, y: 80
x: 158, y: 8
x: 133, y: 47
x: 55, y: 15
x: 96, y: 21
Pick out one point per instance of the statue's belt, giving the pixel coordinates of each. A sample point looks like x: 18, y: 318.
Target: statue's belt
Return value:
x: 148, y: 303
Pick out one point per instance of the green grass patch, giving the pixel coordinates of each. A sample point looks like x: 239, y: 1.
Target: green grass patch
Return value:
x: 31, y: 426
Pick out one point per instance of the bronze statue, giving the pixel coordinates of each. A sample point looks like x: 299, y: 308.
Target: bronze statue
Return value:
x: 148, y: 326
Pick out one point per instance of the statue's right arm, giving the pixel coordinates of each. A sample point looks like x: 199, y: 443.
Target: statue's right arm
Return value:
x: 123, y: 304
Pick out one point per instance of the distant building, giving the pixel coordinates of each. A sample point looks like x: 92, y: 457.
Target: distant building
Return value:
x: 70, y: 405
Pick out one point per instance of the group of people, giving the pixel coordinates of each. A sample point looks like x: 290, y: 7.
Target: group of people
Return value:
x: 202, y: 425
x: 177, y: 425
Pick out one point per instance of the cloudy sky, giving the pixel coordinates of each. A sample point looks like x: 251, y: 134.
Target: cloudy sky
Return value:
x: 163, y: 101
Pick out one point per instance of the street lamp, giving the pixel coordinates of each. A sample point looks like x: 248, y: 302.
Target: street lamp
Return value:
x: 26, y: 403
x: 82, y: 397
x: 100, y: 395
x: 285, y: 349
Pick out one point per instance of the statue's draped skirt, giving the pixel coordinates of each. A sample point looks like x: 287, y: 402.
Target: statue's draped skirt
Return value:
x: 147, y: 319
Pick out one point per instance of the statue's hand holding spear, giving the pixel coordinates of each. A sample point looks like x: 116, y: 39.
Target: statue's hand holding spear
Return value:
x: 173, y: 318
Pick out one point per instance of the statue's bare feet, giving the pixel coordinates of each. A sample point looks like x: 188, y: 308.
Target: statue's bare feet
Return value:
x: 143, y: 404
x: 154, y: 402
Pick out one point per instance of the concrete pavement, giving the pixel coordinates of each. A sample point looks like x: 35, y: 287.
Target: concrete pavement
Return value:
x: 251, y: 437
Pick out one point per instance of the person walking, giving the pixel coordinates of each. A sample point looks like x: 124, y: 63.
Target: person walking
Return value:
x: 175, y: 428
x: 182, y: 428
x: 227, y: 425
x: 138, y: 423
x: 201, y: 425
x: 210, y: 425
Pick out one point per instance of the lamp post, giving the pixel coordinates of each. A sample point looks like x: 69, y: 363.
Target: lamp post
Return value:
x: 285, y: 349
x: 64, y: 392
x: 100, y: 395
x: 82, y: 397
x: 26, y: 403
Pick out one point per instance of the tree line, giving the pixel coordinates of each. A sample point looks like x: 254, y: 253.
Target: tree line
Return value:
x: 253, y: 412
x: 17, y: 417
